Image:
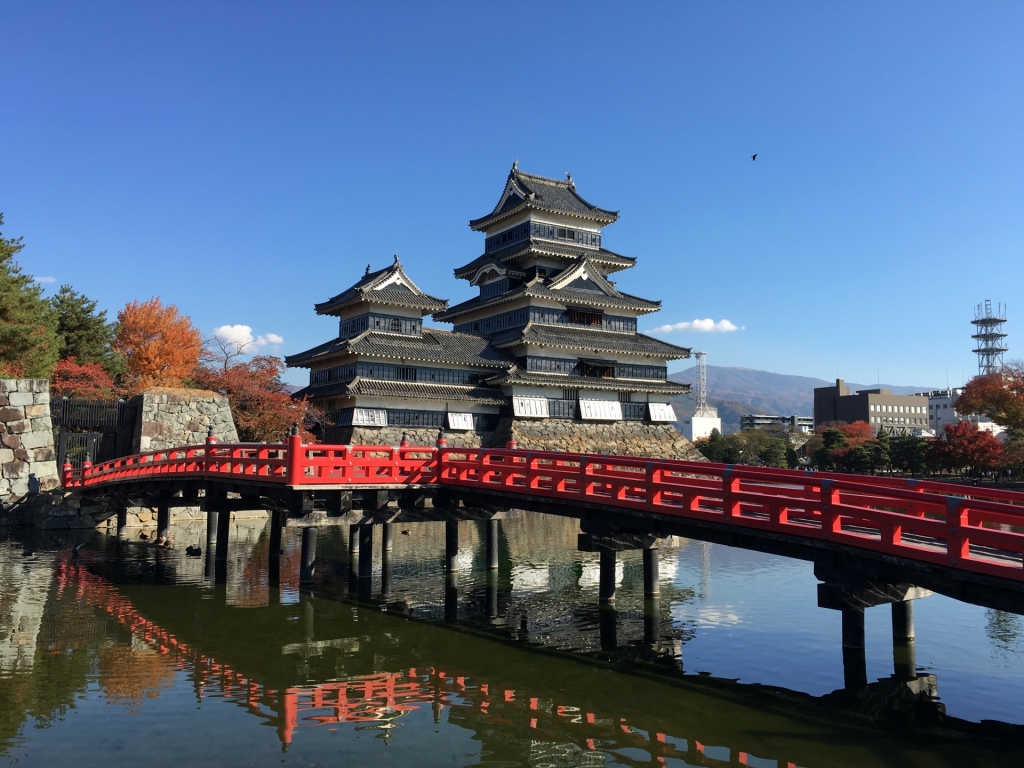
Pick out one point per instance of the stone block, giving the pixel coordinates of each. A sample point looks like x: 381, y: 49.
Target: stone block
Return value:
x: 32, y: 411
x: 10, y: 441
x: 20, y: 398
x: 11, y: 413
x: 6, y: 455
x: 14, y: 470
x: 8, y: 385
x: 18, y: 427
x: 20, y: 454
x: 46, y: 453
x: 41, y: 439
x: 42, y: 424
x: 35, y: 385
x: 4, y: 402
x: 42, y: 398
x: 19, y: 486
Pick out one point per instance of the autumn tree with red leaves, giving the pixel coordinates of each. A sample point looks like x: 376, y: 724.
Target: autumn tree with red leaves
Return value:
x: 262, y: 408
x: 87, y: 380
x: 160, y: 346
x: 1000, y: 396
x: 963, y: 446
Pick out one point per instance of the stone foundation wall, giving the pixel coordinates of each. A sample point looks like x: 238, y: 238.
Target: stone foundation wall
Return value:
x: 415, y: 436
x: 172, y: 417
x: 622, y: 438
x: 28, y: 461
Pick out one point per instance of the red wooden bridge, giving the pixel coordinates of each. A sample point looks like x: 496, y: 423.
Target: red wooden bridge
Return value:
x: 966, y: 529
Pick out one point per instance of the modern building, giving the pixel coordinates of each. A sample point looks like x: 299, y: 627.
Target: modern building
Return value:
x: 548, y: 337
x: 802, y: 424
x: 701, y: 424
x: 942, y: 411
x: 902, y: 414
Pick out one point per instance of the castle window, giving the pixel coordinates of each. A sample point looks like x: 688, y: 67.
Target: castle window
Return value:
x: 583, y: 317
x: 597, y: 369
x: 396, y: 325
x: 406, y: 374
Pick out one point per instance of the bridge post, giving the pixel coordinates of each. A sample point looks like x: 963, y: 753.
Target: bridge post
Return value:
x: 451, y: 598
x: 163, y: 519
x: 855, y: 673
x: 122, y: 520
x: 223, y: 532
x: 652, y: 620
x: 492, y: 544
x: 651, y: 585
x: 606, y: 579
x: 903, y: 651
x: 607, y: 623
x: 365, y: 551
x: 277, y: 523
x: 492, y: 595
x: 389, y: 537
x: 308, y: 555
x: 211, y: 528
x: 451, y: 546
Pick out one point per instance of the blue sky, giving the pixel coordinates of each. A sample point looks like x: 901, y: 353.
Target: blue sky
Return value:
x: 243, y: 160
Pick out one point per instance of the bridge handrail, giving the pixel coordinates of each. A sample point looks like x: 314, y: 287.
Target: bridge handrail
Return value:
x: 923, y: 520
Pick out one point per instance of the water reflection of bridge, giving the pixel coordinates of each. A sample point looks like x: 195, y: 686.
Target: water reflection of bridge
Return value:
x: 377, y: 676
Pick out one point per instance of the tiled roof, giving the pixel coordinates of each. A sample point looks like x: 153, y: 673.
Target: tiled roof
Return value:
x: 570, y: 337
x: 408, y: 390
x: 569, y: 297
x: 400, y: 295
x: 436, y: 346
x: 519, y: 376
x: 609, y: 261
x: 526, y: 191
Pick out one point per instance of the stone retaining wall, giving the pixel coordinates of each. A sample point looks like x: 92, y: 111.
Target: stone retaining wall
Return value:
x: 27, y: 458
x: 624, y: 438
x: 172, y: 417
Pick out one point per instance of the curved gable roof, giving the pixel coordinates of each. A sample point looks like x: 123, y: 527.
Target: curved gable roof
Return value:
x: 385, y: 286
x: 524, y: 191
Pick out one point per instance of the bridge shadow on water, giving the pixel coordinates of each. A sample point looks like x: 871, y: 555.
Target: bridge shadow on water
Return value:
x: 519, y: 642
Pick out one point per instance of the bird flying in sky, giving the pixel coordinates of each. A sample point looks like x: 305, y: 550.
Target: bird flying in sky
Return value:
x: 754, y: 156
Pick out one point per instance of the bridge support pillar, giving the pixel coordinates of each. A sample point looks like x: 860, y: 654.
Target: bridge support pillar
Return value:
x: 388, y: 530
x: 607, y: 622
x: 353, y: 545
x: 651, y: 586
x: 451, y: 546
x: 606, y: 579
x: 274, y: 551
x: 855, y: 673
x: 223, y: 531
x: 492, y: 544
x: 451, y: 598
x: 652, y: 621
x: 365, y: 551
x: 163, y: 519
x: 211, y: 528
x: 903, y: 651
x: 492, y: 595
x: 308, y: 555
x: 122, y: 521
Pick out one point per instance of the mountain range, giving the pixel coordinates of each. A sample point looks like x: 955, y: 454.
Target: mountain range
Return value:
x: 738, y: 391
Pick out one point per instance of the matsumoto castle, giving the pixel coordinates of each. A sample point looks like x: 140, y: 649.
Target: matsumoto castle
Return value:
x: 547, y: 353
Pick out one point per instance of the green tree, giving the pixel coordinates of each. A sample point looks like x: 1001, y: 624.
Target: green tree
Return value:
x: 85, y: 334
x: 774, y: 453
x: 792, y: 458
x: 908, y: 453
x: 28, y: 335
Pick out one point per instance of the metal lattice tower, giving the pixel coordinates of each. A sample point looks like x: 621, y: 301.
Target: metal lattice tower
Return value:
x: 991, y: 347
x: 702, y: 385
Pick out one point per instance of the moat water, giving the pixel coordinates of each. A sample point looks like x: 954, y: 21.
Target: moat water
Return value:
x: 129, y: 655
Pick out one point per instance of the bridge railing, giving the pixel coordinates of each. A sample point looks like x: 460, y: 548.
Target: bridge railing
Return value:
x: 291, y: 464
x: 967, y: 527
x: 972, y: 528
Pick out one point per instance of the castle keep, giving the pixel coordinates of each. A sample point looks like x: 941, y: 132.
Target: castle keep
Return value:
x: 547, y: 353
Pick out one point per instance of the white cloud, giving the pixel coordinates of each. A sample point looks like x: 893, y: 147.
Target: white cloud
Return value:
x: 240, y: 337
x: 707, y: 325
x: 45, y: 280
